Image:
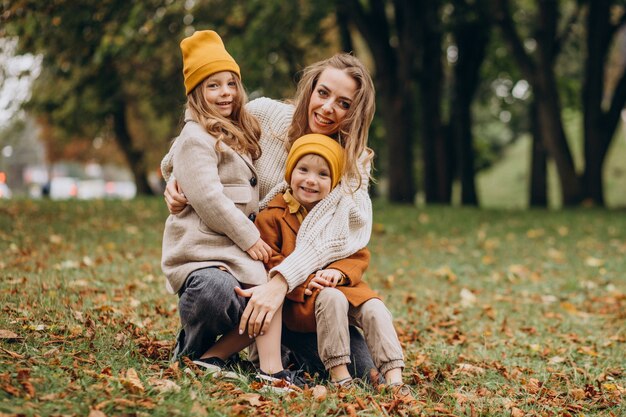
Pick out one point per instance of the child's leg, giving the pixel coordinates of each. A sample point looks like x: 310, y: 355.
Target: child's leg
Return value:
x: 227, y: 345
x: 333, y: 336
x: 377, y: 324
x: 268, y: 346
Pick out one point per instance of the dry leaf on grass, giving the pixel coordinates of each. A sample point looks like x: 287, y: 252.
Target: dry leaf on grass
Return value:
x: 319, y: 393
x: 132, y: 382
x: 9, y: 335
x: 164, y: 385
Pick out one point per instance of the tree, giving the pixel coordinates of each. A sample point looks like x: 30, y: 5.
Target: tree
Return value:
x: 471, y: 28
x: 99, y: 62
x: 600, y: 123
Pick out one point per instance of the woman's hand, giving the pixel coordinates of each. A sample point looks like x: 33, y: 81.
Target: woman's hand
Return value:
x: 264, y: 301
x: 323, y: 278
x: 260, y: 251
x: 174, y: 197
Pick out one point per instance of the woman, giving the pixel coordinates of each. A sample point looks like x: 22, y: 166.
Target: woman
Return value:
x: 335, y: 97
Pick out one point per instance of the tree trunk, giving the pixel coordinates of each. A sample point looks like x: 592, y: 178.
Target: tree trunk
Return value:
x: 538, y: 163
x: 135, y: 157
x: 540, y: 73
x: 553, y: 135
x: 471, y: 36
x: 394, y: 85
x: 400, y: 146
x: 436, y: 147
x: 599, y: 125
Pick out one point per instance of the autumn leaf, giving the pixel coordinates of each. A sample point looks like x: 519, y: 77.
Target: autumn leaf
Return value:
x: 251, y: 398
x: 319, y: 393
x: 132, y: 382
x: 164, y: 385
x: 9, y: 335
x: 466, y: 368
x: 96, y: 413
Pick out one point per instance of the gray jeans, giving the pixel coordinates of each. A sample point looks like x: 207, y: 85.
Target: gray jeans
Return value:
x: 209, y: 307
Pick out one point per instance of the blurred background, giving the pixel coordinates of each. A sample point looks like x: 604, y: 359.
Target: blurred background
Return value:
x: 490, y: 103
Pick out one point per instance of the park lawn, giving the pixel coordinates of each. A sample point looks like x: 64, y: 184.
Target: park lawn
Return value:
x: 500, y: 313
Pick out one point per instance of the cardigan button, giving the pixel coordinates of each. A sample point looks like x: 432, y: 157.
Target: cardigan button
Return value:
x: 252, y: 217
x: 253, y: 181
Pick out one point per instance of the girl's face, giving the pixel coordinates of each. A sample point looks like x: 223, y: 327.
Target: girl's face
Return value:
x: 330, y: 101
x: 220, y: 89
x: 310, y: 180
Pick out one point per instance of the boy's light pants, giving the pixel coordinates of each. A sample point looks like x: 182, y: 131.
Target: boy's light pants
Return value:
x: 333, y: 315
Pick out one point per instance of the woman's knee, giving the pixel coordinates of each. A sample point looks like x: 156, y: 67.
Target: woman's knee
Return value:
x: 210, y: 292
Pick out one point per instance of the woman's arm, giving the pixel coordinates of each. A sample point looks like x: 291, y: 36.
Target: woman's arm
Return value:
x: 336, y: 228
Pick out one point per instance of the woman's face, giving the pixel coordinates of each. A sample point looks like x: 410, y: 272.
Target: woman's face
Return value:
x: 330, y: 101
x: 220, y: 89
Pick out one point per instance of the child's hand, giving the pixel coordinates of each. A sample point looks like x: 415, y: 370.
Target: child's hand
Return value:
x: 323, y: 278
x: 260, y: 251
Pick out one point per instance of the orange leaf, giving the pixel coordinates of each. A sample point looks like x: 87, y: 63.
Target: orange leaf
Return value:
x: 132, y: 382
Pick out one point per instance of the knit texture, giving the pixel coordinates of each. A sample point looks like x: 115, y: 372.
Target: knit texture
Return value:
x: 337, y: 227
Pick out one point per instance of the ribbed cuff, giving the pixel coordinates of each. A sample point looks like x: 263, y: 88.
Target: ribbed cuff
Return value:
x: 394, y: 364
x: 296, y: 267
x: 336, y: 361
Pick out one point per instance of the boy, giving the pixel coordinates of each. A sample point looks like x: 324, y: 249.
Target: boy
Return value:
x: 334, y: 297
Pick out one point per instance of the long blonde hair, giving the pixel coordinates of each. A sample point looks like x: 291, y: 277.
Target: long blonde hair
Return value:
x: 353, y: 130
x: 241, y: 131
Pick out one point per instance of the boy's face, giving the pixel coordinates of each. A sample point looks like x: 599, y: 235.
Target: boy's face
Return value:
x: 310, y: 180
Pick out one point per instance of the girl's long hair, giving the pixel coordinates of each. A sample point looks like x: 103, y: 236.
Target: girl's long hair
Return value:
x: 241, y: 131
x: 353, y: 130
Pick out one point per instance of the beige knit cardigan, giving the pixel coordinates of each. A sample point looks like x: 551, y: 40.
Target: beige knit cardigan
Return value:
x: 336, y: 228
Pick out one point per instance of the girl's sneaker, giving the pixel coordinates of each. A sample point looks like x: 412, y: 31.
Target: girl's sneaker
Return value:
x: 283, y: 381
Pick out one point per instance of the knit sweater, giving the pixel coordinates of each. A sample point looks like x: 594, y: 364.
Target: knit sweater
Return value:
x: 337, y: 227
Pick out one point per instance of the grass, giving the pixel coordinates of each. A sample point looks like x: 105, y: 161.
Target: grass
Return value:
x: 500, y: 312
x: 506, y: 183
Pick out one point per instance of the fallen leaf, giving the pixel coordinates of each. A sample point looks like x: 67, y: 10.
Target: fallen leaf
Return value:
x: 319, y: 393
x: 577, y: 393
x: 164, y: 385
x: 132, y: 382
x: 96, y: 413
x: 12, y: 354
x: 466, y: 368
x: 516, y: 412
x: 594, y: 262
x: 468, y: 298
x: 9, y: 335
x: 251, y: 398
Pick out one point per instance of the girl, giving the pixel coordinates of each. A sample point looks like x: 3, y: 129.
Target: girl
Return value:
x: 334, y: 97
x: 212, y: 245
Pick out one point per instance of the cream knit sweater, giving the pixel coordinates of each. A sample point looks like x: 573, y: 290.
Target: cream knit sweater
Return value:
x: 337, y: 227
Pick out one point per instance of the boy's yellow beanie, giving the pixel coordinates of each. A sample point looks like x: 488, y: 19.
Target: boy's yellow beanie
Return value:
x: 204, y: 54
x: 321, y: 145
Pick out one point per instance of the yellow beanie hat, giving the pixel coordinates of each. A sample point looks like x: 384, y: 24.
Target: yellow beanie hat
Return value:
x: 204, y: 54
x: 320, y: 145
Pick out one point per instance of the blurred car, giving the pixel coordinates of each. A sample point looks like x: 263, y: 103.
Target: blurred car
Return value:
x: 120, y: 189
x: 90, y: 189
x: 62, y: 188
x: 5, y: 191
